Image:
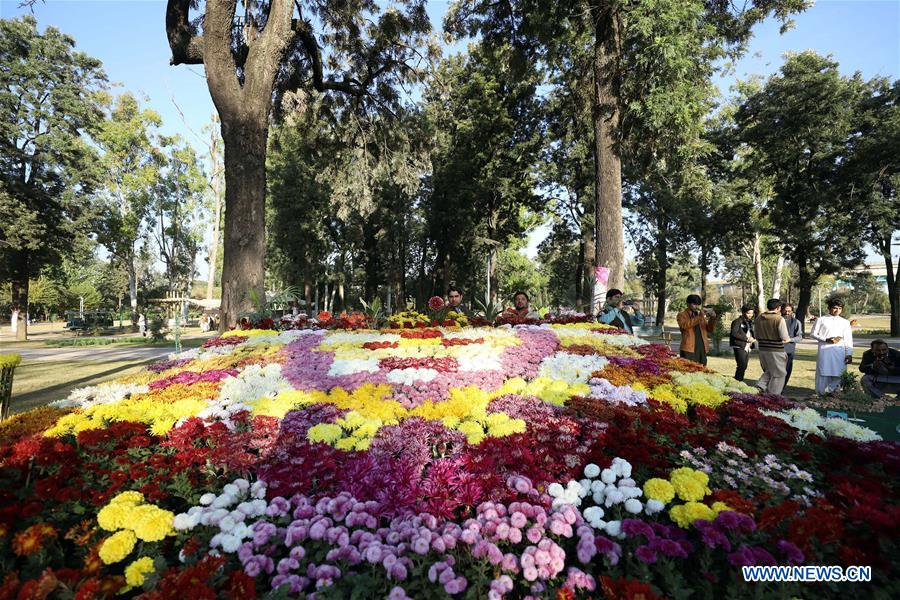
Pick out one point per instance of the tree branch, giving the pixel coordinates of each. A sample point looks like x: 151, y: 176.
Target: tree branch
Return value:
x: 311, y: 47
x: 187, y: 48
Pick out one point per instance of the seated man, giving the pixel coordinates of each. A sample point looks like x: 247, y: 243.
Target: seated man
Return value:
x: 521, y: 308
x: 881, y: 369
x: 621, y: 314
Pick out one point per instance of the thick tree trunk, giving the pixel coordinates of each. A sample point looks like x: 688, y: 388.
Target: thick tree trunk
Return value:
x: 20, y: 306
x: 244, y: 263
x: 610, y: 238
x: 757, y: 271
x: 776, y: 284
x: 893, y: 287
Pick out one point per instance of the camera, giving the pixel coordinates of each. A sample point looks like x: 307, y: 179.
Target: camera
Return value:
x: 629, y: 303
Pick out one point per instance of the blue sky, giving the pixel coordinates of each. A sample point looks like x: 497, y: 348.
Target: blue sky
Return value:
x: 129, y: 37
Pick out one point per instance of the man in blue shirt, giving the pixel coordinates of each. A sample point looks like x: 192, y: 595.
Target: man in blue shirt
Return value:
x: 615, y: 312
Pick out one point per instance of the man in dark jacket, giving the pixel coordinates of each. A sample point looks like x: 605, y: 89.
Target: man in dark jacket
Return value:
x: 741, y: 339
x: 881, y: 369
x: 795, y: 332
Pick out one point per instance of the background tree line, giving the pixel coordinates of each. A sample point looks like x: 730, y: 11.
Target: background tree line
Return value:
x: 391, y: 170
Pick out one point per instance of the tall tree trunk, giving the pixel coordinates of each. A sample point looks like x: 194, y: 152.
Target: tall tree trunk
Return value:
x: 401, y: 284
x: 662, y: 262
x: 244, y: 263
x: 216, y: 161
x: 20, y: 305
x: 370, y: 246
x: 587, y: 260
x: 579, y: 274
x: 492, y: 275
x: 776, y: 284
x: 704, y: 270
x: 420, y: 288
x: 610, y: 238
x: 893, y: 279
x: 804, y: 285
x: 307, y: 295
x: 757, y: 271
x: 132, y: 290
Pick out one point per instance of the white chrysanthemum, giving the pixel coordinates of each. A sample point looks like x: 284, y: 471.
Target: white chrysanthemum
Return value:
x: 350, y: 367
x: 480, y: 358
x: 591, y: 471
x: 183, y: 521
x: 654, y: 506
x: 714, y: 380
x: 105, y: 393
x: 230, y: 543
x: 411, y: 376
x: 253, y: 383
x: 593, y: 514
x: 607, y: 476
x: 846, y: 429
x: 614, y: 528
x: 571, y: 368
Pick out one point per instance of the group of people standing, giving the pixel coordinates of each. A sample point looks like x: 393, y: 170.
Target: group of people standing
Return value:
x: 775, y: 333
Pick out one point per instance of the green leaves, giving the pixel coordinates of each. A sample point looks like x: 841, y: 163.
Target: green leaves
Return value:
x: 49, y: 94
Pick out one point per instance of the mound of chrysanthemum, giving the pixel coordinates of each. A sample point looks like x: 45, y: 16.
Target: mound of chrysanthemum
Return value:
x: 550, y: 460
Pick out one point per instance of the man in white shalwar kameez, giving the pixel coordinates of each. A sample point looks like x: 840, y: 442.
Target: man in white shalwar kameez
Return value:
x: 835, y: 339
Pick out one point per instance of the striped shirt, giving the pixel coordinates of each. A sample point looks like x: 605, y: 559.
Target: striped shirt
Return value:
x: 770, y: 330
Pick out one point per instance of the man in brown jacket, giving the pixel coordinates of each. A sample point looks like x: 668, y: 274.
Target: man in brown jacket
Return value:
x: 695, y: 324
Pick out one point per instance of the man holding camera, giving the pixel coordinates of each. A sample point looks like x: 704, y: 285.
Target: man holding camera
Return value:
x: 696, y: 324
x: 881, y: 369
x: 622, y: 314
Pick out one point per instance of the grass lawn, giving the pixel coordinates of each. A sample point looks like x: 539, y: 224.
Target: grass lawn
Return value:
x: 40, y: 382
x: 803, y: 377
x: 192, y: 342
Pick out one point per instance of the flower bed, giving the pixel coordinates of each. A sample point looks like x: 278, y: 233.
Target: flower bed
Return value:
x: 543, y: 460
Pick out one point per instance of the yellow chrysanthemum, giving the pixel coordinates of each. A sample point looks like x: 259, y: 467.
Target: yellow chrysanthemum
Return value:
x: 136, y: 572
x: 659, y: 489
x: 151, y: 523
x: 249, y: 333
x: 129, y: 497
x: 117, y: 546
x: 690, y: 485
x: 684, y: 515
x: 328, y: 433
x: 113, y: 517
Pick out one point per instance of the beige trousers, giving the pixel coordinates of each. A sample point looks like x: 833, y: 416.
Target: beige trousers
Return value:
x: 774, y: 366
